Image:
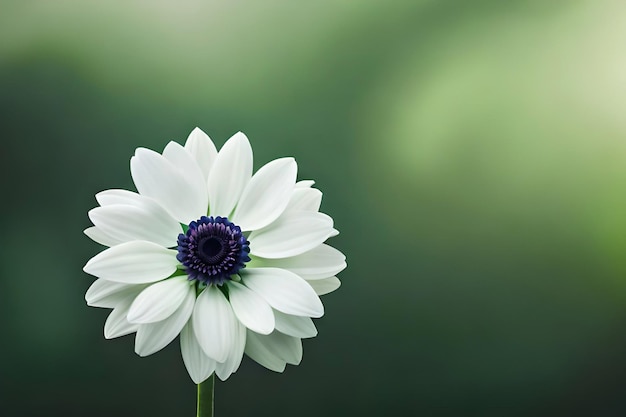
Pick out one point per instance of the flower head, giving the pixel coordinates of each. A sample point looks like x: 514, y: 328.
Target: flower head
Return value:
x: 213, y: 250
x: 230, y: 261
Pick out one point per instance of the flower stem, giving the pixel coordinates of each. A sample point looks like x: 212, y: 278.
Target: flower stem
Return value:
x: 205, y: 397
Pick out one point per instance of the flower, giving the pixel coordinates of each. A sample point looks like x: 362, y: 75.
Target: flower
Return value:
x: 230, y: 261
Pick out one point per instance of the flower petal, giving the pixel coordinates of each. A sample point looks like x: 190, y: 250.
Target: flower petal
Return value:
x: 116, y: 324
x: 136, y: 262
x: 125, y: 223
x: 225, y: 369
x: 160, y: 300
x: 200, y: 145
x: 198, y: 364
x: 260, y: 353
x: 269, y: 348
x: 152, y: 337
x: 100, y: 237
x: 156, y: 177
x: 109, y: 294
x: 284, y: 290
x: 304, y: 184
x: 187, y: 166
x: 251, y: 309
x: 321, y: 262
x: 325, y: 286
x: 230, y: 175
x: 307, y: 199
x: 116, y: 196
x: 292, y: 234
x: 266, y: 195
x: 296, y: 326
x: 288, y: 348
x: 214, y: 324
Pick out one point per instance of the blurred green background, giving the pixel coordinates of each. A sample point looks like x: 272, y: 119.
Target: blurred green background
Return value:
x: 472, y: 153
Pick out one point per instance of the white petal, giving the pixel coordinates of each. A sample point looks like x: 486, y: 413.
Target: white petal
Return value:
x: 186, y: 164
x: 266, y: 195
x: 307, y: 199
x: 109, y: 294
x: 100, y: 237
x: 116, y: 324
x: 284, y: 290
x: 274, y: 349
x: 198, y: 364
x: 333, y: 233
x: 296, y: 326
x: 251, y: 309
x: 214, y: 324
x: 321, y: 262
x: 225, y: 369
x: 259, y: 352
x: 125, y: 223
x: 156, y: 177
x: 152, y: 337
x: 292, y: 234
x: 160, y: 300
x: 288, y: 348
x: 325, y: 286
x: 108, y: 197
x: 136, y: 262
x: 305, y: 184
x: 200, y: 145
x: 230, y: 175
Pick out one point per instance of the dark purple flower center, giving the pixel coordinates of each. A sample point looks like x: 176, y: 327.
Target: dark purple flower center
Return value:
x: 212, y: 250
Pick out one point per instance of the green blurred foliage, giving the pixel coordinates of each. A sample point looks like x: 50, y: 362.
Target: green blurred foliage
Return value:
x: 471, y: 153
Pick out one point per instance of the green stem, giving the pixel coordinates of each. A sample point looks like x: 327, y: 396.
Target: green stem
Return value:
x: 205, y: 397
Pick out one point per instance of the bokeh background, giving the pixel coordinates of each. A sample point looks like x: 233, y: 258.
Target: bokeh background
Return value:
x: 472, y: 153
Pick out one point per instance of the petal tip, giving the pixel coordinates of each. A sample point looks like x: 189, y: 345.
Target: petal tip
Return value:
x: 197, y: 134
x: 239, y: 137
x: 140, y: 353
x: 87, y: 267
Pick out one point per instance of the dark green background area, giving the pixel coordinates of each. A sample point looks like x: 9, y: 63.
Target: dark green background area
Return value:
x: 472, y: 154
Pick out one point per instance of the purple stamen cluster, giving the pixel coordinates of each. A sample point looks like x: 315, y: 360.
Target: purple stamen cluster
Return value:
x: 212, y: 250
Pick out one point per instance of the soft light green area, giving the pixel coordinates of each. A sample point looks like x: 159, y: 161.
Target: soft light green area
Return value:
x: 472, y: 154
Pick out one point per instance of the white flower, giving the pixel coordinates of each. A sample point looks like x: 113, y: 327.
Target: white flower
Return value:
x: 233, y: 262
